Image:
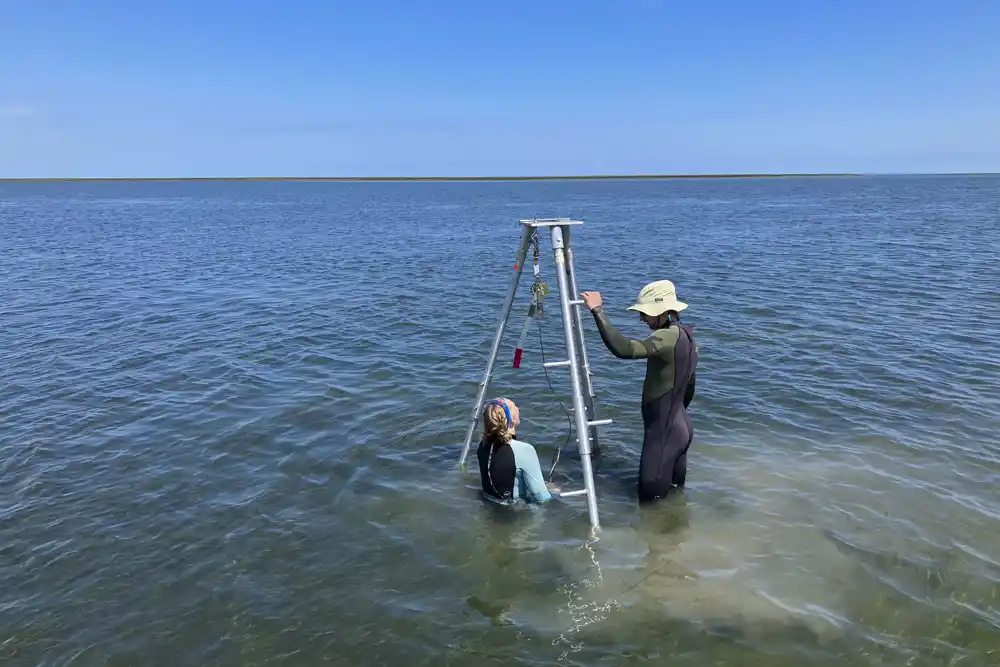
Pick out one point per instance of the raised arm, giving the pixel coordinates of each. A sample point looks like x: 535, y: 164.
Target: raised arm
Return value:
x: 627, y: 348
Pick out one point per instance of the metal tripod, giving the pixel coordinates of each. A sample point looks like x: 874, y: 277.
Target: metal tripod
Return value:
x: 584, y: 414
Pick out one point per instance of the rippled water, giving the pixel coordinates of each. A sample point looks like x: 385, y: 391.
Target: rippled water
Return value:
x: 231, y: 416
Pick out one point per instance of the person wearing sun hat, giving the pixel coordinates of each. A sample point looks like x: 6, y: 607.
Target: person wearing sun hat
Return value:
x: 671, y: 355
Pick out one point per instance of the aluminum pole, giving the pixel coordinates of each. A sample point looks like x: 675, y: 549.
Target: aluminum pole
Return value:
x: 579, y: 411
x: 588, y: 386
x: 497, y: 338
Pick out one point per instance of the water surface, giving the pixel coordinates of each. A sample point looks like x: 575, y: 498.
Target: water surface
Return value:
x: 231, y: 414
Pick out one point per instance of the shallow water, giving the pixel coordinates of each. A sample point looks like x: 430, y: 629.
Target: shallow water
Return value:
x: 231, y: 414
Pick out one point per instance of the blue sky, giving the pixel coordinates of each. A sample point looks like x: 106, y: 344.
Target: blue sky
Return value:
x: 371, y: 87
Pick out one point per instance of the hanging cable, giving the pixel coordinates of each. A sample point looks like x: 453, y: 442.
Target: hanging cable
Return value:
x: 539, y: 288
x: 569, y: 417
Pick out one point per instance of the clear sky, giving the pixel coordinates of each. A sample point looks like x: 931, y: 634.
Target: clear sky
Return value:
x: 502, y: 87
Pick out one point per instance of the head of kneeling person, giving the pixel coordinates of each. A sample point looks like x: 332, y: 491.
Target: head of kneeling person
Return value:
x: 499, y: 471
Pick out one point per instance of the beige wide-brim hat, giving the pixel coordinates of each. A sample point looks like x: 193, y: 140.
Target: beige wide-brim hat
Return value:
x: 657, y: 298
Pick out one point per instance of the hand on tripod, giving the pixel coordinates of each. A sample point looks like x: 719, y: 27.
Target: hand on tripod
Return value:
x: 592, y: 299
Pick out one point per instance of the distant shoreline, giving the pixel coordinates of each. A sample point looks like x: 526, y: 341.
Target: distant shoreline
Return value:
x: 588, y: 177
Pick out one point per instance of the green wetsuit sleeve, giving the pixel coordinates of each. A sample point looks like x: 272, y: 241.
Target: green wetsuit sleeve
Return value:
x: 626, y: 348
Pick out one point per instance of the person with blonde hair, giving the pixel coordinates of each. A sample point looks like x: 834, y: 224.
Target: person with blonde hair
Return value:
x: 508, y: 468
x: 671, y: 355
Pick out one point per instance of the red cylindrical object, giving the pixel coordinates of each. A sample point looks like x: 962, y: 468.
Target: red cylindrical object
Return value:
x: 517, y: 357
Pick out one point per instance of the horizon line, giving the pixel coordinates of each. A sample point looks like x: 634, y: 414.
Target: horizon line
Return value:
x: 554, y: 177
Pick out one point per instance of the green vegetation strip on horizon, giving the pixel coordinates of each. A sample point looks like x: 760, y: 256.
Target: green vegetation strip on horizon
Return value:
x: 431, y: 178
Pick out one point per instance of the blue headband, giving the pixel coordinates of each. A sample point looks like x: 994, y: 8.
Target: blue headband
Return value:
x: 503, y: 404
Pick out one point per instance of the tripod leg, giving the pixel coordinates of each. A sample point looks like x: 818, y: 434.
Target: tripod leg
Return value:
x: 497, y: 338
x: 579, y: 410
x: 581, y: 346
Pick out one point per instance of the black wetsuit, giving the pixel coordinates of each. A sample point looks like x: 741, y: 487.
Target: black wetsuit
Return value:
x: 671, y: 355
x: 497, y: 470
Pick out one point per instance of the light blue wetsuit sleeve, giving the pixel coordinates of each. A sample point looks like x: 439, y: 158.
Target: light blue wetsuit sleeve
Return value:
x: 531, y: 483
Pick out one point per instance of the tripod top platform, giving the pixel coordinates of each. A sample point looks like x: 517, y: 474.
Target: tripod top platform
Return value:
x: 550, y: 222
